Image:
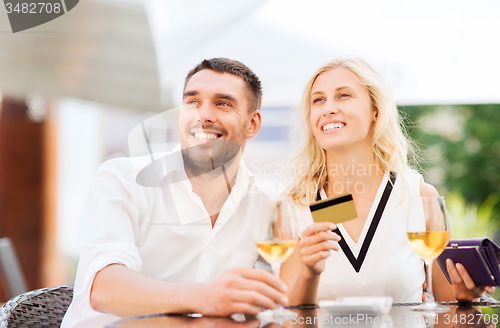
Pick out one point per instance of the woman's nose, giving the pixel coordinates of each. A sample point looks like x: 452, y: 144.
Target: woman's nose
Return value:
x: 330, y: 108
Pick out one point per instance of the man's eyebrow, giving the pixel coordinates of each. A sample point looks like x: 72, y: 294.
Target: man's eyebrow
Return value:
x: 190, y: 93
x: 226, y: 97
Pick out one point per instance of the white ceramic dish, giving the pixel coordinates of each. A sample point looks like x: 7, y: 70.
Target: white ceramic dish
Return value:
x: 361, y: 305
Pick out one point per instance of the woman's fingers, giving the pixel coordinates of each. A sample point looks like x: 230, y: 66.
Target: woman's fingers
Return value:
x: 318, y: 232
x: 316, y: 243
x: 319, y: 238
x: 319, y: 247
x: 318, y: 227
x: 464, y: 286
x: 466, y: 278
x: 316, y: 257
x: 455, y: 277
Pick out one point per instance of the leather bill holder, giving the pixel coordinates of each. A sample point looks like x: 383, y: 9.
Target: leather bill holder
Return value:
x: 479, y: 256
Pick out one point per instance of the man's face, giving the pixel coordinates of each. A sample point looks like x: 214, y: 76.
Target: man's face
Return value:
x: 215, y: 119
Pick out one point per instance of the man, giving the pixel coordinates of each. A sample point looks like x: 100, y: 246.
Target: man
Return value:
x: 186, y: 243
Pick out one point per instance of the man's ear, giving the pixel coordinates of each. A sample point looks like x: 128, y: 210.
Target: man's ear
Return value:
x: 255, y: 123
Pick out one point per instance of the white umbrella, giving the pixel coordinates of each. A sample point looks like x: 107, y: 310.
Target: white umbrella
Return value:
x: 431, y: 51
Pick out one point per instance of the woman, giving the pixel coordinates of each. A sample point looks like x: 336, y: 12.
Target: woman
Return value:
x: 352, y: 141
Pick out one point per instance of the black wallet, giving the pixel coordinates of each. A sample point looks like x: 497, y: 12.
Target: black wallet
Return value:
x: 479, y: 256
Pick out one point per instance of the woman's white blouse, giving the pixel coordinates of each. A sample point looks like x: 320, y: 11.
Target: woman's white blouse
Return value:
x: 390, y: 267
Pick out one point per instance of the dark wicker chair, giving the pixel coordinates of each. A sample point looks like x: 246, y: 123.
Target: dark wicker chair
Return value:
x: 39, y: 308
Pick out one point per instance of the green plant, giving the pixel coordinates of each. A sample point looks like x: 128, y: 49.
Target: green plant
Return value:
x: 470, y: 220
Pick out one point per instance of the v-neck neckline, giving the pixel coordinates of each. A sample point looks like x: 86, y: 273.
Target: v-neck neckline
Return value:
x: 369, y: 229
x: 355, y: 246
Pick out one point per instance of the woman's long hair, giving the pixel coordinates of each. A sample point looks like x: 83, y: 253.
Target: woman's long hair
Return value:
x: 390, y: 145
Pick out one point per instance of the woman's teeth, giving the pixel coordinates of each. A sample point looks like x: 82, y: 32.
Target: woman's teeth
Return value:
x: 333, y: 126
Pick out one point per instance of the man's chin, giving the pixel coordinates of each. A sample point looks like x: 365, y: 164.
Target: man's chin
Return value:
x: 208, y: 156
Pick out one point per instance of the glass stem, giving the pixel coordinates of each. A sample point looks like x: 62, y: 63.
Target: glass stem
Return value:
x: 276, y: 266
x: 430, y: 294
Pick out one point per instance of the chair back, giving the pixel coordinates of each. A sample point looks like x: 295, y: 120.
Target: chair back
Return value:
x: 39, y: 308
x: 14, y: 282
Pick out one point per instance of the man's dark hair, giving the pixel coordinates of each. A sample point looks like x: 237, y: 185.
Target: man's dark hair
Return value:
x: 225, y: 65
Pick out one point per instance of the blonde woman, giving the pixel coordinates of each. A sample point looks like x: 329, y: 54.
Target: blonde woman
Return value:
x: 352, y: 142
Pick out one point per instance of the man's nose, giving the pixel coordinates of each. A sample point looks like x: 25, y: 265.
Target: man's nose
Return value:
x: 206, y: 113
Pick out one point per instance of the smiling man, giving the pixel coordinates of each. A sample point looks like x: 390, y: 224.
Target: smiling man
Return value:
x: 186, y: 245
x: 220, y: 112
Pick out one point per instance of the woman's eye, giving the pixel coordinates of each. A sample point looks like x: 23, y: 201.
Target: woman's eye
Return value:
x: 317, y: 100
x: 344, y: 95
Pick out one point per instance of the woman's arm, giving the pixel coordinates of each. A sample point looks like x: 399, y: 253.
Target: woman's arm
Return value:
x: 302, y: 270
x: 463, y: 288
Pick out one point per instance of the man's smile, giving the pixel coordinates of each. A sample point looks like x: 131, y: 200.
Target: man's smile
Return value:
x: 205, y: 136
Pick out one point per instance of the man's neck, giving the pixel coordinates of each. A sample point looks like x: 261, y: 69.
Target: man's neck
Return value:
x: 214, y: 187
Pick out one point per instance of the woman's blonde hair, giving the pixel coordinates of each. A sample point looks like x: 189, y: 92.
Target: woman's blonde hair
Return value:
x: 390, y: 144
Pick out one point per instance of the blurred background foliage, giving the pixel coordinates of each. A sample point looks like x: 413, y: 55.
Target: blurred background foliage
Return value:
x: 460, y: 155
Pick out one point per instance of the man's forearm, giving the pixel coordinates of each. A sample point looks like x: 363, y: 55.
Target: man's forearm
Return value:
x: 123, y: 292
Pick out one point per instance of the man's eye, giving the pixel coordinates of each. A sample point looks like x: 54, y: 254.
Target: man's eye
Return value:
x: 223, y: 104
x: 192, y: 102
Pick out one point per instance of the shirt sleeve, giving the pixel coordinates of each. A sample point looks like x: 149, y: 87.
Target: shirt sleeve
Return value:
x: 109, y: 227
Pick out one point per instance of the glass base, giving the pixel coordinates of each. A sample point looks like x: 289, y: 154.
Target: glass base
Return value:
x: 431, y: 307
x: 278, y: 315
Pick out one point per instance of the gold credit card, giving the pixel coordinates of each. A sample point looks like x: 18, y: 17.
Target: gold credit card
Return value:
x: 336, y: 209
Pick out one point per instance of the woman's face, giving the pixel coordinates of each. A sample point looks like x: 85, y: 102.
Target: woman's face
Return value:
x: 341, y: 111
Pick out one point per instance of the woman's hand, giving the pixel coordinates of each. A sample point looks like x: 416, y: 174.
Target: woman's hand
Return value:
x: 464, y: 287
x: 315, y: 246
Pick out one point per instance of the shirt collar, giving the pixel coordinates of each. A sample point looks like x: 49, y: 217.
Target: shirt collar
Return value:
x: 190, y: 208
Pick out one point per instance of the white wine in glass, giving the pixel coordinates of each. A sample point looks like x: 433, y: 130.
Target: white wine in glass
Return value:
x: 428, y: 234
x: 275, y: 243
x: 429, y: 244
x: 276, y: 251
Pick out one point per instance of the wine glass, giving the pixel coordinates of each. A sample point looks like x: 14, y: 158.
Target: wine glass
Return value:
x: 275, y: 243
x: 428, y: 234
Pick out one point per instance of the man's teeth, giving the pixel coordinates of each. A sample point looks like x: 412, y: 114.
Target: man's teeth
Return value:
x: 205, y: 136
x: 333, y: 126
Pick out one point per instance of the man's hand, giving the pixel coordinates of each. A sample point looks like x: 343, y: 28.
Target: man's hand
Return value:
x: 464, y: 287
x: 316, y: 244
x: 240, y: 290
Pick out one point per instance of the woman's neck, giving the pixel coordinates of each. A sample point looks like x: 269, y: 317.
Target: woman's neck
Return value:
x: 352, y: 171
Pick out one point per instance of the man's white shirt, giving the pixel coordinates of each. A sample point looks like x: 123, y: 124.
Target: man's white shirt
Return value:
x: 163, y: 232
